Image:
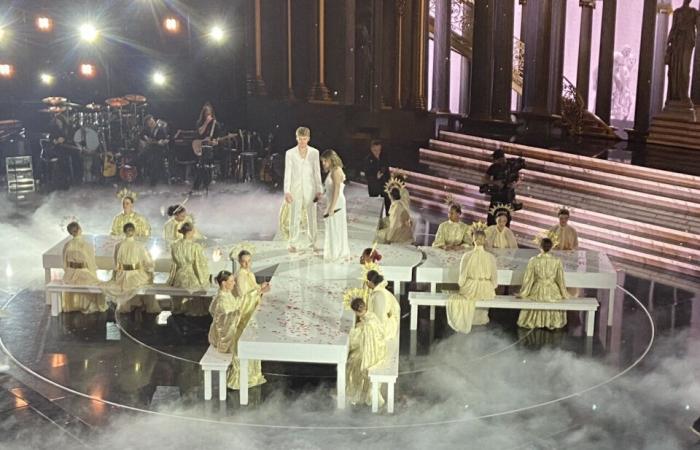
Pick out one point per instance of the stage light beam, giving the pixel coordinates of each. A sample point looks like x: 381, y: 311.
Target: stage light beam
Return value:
x: 171, y: 24
x: 217, y: 34
x: 159, y: 78
x: 88, y: 32
x: 46, y: 78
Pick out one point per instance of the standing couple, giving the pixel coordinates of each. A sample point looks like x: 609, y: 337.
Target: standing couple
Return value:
x: 303, y: 188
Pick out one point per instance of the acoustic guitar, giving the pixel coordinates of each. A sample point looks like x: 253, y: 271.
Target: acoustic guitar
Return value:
x: 197, y: 144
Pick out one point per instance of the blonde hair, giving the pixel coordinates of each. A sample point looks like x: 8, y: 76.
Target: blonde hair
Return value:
x: 303, y: 132
x: 332, y: 156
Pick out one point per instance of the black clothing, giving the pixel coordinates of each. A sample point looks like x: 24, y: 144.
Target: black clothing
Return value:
x: 69, y: 159
x: 375, y: 186
x: 153, y: 155
x: 505, y: 195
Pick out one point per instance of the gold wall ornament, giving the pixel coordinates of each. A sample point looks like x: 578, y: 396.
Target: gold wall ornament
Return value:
x: 518, y: 65
x: 573, y: 108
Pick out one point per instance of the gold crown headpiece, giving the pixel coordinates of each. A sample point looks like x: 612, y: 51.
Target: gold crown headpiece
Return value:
x: 479, y: 225
x: 393, y: 183
x: 401, y: 174
x: 350, y: 294
x: 450, y: 200
x: 553, y: 236
x: 563, y: 208
x: 366, y: 267
x: 247, y: 246
x: 501, y: 207
x: 66, y: 220
x: 125, y: 192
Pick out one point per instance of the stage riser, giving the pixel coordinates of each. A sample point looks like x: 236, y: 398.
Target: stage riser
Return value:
x: 578, y: 173
x: 613, y: 167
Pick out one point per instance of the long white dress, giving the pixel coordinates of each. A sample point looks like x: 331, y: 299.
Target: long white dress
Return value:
x: 335, y: 245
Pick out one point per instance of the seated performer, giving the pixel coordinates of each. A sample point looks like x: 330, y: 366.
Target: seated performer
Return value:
x: 80, y: 268
x: 153, y: 142
x: 367, y: 349
x: 245, y: 278
x: 499, y: 235
x: 398, y: 227
x: 383, y: 304
x: 370, y: 256
x: 128, y: 215
x: 190, y: 270
x: 178, y: 216
x: 478, y: 278
x: 133, y: 269
x: 566, y: 234
x: 543, y: 282
x: 453, y: 234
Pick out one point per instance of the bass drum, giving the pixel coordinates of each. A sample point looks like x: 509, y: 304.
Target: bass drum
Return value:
x: 87, y: 138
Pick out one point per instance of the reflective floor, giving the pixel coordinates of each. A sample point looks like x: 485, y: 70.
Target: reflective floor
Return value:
x: 132, y: 381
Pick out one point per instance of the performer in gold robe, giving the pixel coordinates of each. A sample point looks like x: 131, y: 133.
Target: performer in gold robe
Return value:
x: 133, y: 270
x: 566, y: 234
x: 190, y: 270
x: 367, y: 349
x: 178, y: 216
x: 399, y: 226
x: 80, y: 269
x: 543, y: 282
x: 453, y: 234
x: 383, y: 304
x: 128, y: 215
x: 245, y: 279
x: 499, y: 235
x: 478, y: 279
x: 227, y: 311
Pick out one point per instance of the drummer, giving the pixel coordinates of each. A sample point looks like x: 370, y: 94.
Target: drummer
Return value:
x: 154, y: 143
x: 62, y: 148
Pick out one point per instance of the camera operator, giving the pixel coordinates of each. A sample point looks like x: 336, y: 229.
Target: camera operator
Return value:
x: 499, y: 180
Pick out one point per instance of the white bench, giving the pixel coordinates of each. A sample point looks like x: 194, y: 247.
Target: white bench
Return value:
x: 433, y: 299
x: 386, y: 372
x: 214, y: 360
x: 54, y: 289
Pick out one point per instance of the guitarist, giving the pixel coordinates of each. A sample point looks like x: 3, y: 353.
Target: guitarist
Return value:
x: 69, y: 159
x: 154, y: 142
x: 208, y: 129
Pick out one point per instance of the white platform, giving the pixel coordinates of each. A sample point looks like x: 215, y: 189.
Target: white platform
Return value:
x: 582, y: 269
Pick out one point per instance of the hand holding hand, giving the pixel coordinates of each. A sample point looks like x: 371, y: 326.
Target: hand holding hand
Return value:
x: 318, y: 196
x: 288, y: 197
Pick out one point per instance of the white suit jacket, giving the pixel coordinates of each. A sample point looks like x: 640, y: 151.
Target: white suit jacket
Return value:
x: 294, y: 181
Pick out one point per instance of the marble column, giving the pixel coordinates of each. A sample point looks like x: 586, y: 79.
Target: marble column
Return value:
x: 606, y: 59
x: 646, y: 64
x: 658, y: 83
x: 290, y: 85
x: 254, y: 81
x: 583, y: 72
x: 537, y: 22
x: 400, y: 60
x: 319, y: 91
x: 419, y: 52
x: 376, y: 99
x: 556, y: 61
x: 695, y: 81
x: 466, y: 65
x: 349, y: 51
x: 441, y: 56
x: 504, y: 12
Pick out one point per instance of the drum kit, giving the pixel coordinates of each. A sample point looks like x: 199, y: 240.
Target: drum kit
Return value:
x: 114, y: 125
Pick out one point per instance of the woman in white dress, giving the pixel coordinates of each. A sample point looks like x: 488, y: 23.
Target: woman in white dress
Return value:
x: 335, y: 245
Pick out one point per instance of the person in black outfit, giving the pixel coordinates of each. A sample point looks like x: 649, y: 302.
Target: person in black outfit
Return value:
x: 154, y: 143
x: 377, y: 173
x: 70, y: 162
x: 495, y: 176
x: 208, y: 129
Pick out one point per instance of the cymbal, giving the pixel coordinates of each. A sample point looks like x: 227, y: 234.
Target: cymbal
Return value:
x: 53, y: 101
x: 117, y: 102
x: 135, y: 98
x: 72, y: 105
x: 53, y: 109
x: 93, y: 107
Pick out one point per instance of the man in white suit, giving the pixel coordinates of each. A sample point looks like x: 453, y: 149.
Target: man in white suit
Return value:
x: 302, y: 188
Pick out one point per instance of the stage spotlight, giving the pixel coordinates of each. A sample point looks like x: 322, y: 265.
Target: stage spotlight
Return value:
x: 87, y: 70
x: 46, y: 78
x: 217, y: 34
x: 44, y: 24
x: 6, y: 70
x: 159, y: 78
x: 171, y: 24
x: 88, y: 32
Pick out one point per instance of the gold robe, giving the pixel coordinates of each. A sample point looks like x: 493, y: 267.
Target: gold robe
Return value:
x: 496, y: 238
x: 478, y: 279
x: 78, y: 251
x: 453, y: 234
x: 385, y: 306
x: 399, y: 228
x: 227, y: 328
x: 367, y: 349
x: 143, y: 228
x: 543, y: 282
x: 189, y: 270
x: 283, y: 225
x: 172, y: 227
x: 568, y: 238
x: 132, y: 253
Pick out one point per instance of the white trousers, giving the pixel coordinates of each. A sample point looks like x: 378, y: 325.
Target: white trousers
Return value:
x: 307, y: 237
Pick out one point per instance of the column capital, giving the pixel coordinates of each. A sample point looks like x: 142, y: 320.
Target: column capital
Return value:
x: 522, y: 2
x: 587, y: 3
x: 664, y: 8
